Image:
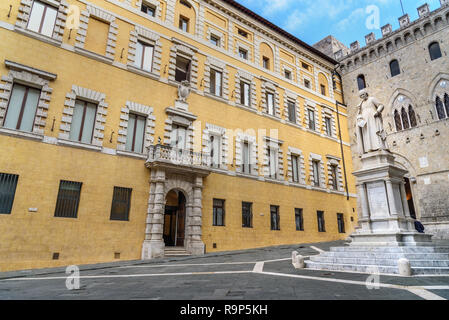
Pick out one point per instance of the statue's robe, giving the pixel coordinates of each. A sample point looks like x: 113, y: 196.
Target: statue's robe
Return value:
x: 369, y: 136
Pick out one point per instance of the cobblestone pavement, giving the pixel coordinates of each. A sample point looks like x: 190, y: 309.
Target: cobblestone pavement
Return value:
x: 260, y: 274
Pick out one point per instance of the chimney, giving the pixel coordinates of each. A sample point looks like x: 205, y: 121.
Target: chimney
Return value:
x: 370, y: 38
x: 404, y: 20
x: 355, y: 46
x: 386, y: 30
x: 423, y: 10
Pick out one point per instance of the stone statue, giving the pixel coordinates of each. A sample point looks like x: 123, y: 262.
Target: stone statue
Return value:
x: 183, y: 91
x: 371, y: 135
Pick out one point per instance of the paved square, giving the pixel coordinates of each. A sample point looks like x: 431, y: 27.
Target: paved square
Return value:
x: 260, y: 274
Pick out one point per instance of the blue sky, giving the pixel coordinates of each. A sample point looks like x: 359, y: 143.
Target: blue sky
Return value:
x: 312, y: 20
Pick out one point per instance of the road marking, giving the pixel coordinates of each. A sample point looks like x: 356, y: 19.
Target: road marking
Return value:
x: 435, y: 287
x: 276, y: 260
x: 131, y: 275
x: 317, y: 249
x: 427, y: 295
x: 188, y: 265
x: 258, y: 268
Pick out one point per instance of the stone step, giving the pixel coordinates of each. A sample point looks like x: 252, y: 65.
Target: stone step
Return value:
x: 381, y: 261
x: 368, y: 268
x: 379, y: 255
x: 391, y: 249
x: 176, y: 252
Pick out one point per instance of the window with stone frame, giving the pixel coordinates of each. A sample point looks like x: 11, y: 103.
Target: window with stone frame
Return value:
x: 216, y: 78
x: 215, y: 144
x: 270, y: 101
x: 334, y: 173
x: 266, y: 62
x: 361, y: 83
x: 311, y: 114
x: 328, y: 124
x: 291, y: 111
x: 179, y: 137
x: 323, y: 89
x: 218, y: 219
x: 321, y: 221
x: 25, y: 99
x: 245, y: 89
x: 183, y: 63
x: 149, y: 9
x: 83, y: 121
x: 246, y: 157
x: 216, y: 82
x: 135, y: 137
x: 316, y: 173
x: 296, y: 168
x: 246, y: 154
x: 243, y: 53
x: 43, y: 18
x: 307, y: 84
x: 334, y: 176
x: 245, y: 93
x: 275, y: 218
x: 215, y: 40
x: 442, y: 112
x: 394, y: 68
x: 273, y: 163
x: 184, y: 23
x: 288, y: 74
x: 273, y: 158
x: 182, y: 69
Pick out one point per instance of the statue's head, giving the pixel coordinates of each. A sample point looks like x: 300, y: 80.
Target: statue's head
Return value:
x: 363, y: 94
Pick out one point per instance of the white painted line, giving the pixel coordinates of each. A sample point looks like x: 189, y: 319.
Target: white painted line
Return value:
x: 317, y: 249
x: 427, y: 295
x: 435, y: 287
x: 131, y: 275
x: 258, y: 268
x: 276, y: 260
x: 188, y: 265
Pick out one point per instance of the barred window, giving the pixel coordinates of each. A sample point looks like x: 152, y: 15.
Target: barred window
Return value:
x: 8, y: 184
x: 299, y: 220
x: 219, y: 213
x: 321, y: 222
x: 68, y: 199
x: 121, y: 203
x: 274, y: 213
x: 247, y: 215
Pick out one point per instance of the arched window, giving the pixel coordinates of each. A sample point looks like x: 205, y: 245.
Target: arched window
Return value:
x: 394, y: 68
x: 434, y: 50
x: 397, y: 121
x: 440, y: 109
x: 412, y: 116
x: 404, y: 116
x: 446, y: 102
x: 361, y: 82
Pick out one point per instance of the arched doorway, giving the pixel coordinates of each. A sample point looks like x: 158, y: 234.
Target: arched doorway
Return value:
x: 175, y: 219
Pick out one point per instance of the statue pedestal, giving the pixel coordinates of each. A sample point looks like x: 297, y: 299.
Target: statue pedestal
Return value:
x: 385, y: 218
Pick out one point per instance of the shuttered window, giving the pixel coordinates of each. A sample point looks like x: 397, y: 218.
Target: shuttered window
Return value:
x: 22, y: 108
x: 121, y: 203
x: 8, y: 184
x: 68, y: 199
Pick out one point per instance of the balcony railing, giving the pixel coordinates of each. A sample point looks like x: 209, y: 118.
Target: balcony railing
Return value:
x: 181, y: 157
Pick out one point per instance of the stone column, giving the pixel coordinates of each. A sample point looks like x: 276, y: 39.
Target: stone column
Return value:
x: 394, y: 210
x: 154, y: 246
x: 195, y: 245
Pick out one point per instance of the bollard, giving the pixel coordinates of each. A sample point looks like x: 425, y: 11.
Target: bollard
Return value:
x: 404, y: 267
x: 297, y: 260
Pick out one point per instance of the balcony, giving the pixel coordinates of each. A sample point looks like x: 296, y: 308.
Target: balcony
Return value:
x: 178, y: 160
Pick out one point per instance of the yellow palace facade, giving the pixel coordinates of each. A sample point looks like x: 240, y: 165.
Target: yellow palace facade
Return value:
x: 135, y: 129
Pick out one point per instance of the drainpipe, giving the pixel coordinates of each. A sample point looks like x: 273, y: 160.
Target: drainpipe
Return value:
x: 334, y: 73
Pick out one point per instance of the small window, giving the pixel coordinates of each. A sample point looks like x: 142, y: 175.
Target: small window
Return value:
x: 361, y: 83
x: 148, y: 9
x: 243, y: 33
x: 273, y: 162
x: 219, y: 213
x: 274, y: 214
x: 397, y: 120
x: 305, y: 66
x: 22, y: 108
x: 270, y: 103
x: 307, y: 83
x: 215, y: 40
x: 182, y: 69
x: 245, y: 90
x: 266, y: 63
x: 291, y: 111
x: 316, y: 173
x: 295, y: 168
x: 247, y: 215
x: 83, y: 121
x: 394, y: 68
x: 321, y: 222
x: 144, y: 56
x: 121, y: 203
x: 246, y: 156
x: 8, y: 185
x: 136, y: 133
x: 341, y: 223
x: 216, y: 82
x: 243, y: 54
x: 334, y: 170
x: 434, y: 51
x: 287, y: 74
x: 68, y: 199
x: 328, y: 122
x: 42, y: 18
x: 323, y: 89
x: 299, y: 220
x: 184, y: 24
x: 311, y: 114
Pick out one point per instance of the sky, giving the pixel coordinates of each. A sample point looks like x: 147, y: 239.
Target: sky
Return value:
x: 347, y: 20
